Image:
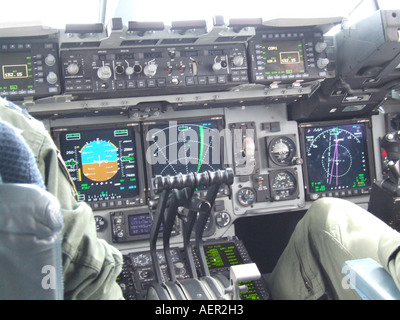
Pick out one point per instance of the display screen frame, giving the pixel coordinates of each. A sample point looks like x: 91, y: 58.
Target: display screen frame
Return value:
x: 220, y: 126
x: 135, y: 200
x: 369, y: 158
x: 16, y: 70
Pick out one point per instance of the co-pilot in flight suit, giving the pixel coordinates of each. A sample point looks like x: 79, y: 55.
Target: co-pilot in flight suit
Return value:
x: 332, y: 231
x: 90, y: 265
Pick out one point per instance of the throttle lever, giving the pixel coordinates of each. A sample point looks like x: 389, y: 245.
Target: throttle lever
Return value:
x: 201, y: 225
x: 167, y: 230
x: 155, y: 227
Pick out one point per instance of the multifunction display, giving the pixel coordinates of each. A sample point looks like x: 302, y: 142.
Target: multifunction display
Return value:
x: 283, y: 57
x: 28, y: 68
x: 102, y: 163
x: 337, y: 158
x: 184, y: 147
x: 286, y: 55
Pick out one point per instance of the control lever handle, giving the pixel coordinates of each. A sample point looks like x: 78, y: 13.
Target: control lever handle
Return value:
x: 193, y: 180
x: 201, y: 225
x: 167, y: 230
x: 155, y: 227
x: 240, y: 273
x: 214, y: 181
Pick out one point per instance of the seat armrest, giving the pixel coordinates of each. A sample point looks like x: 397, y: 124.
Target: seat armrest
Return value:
x: 370, y: 280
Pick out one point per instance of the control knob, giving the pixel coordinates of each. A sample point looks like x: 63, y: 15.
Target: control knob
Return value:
x: 52, y: 78
x: 129, y: 71
x: 73, y: 68
x: 320, y: 47
x: 104, y: 73
x: 238, y: 61
x: 137, y: 68
x: 119, y: 69
x: 150, y: 70
x: 322, y: 62
x: 50, y: 60
x: 217, y: 66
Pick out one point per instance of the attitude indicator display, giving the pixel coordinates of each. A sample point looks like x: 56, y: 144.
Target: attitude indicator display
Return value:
x: 101, y: 162
x: 337, y: 159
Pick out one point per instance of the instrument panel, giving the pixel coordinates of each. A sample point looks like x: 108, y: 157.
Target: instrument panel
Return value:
x: 128, y: 107
x: 125, y: 105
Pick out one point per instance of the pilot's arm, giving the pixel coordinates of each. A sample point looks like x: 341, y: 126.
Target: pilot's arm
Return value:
x: 90, y: 265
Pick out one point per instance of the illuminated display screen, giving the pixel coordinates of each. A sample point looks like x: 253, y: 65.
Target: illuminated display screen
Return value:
x: 283, y: 57
x: 101, y: 162
x: 140, y: 224
x: 183, y: 147
x: 222, y: 255
x: 337, y: 157
x: 16, y: 71
x: 225, y: 255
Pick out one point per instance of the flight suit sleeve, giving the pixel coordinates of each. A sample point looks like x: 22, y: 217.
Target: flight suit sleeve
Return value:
x: 90, y: 265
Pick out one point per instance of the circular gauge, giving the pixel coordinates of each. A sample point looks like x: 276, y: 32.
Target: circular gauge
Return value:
x: 141, y: 260
x: 283, y: 185
x: 246, y: 196
x: 222, y: 219
x: 282, y: 150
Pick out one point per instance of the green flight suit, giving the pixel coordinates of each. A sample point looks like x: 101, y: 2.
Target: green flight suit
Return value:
x: 332, y: 231
x: 90, y: 265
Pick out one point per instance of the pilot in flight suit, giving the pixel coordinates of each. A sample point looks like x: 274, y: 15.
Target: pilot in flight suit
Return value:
x: 90, y: 265
x: 331, y: 232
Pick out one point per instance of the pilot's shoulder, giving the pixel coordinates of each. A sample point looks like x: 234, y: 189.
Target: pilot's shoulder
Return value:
x: 11, y: 105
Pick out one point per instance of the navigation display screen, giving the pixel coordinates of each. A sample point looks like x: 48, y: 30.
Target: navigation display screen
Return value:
x: 283, y: 57
x: 102, y: 162
x: 183, y: 147
x: 337, y: 157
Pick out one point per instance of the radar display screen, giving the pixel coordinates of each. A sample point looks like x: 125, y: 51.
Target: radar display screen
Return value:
x: 337, y: 158
x: 101, y: 162
x: 283, y: 57
x: 183, y: 147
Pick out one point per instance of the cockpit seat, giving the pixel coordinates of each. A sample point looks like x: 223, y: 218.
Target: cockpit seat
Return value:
x: 30, y: 225
x: 370, y: 280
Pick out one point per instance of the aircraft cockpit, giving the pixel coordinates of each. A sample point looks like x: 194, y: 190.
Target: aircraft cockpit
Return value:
x: 241, y: 120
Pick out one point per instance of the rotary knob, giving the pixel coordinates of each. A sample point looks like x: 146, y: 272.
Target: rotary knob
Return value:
x: 104, y: 73
x: 52, y: 78
x: 73, y: 68
x: 238, y: 61
x: 217, y: 66
x: 129, y: 71
x: 150, y: 70
x: 50, y: 60
x: 320, y: 47
x: 322, y: 62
